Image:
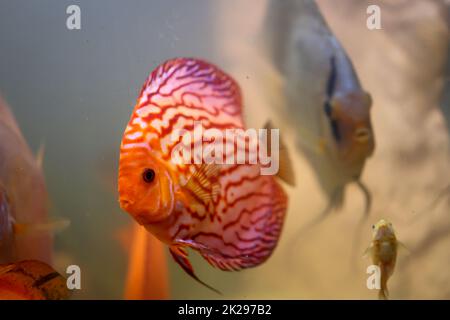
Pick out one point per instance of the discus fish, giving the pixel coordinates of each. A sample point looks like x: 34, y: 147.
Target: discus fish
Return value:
x: 324, y: 98
x: 231, y: 214
x: 383, y: 251
x: 31, y: 280
x: 23, y: 197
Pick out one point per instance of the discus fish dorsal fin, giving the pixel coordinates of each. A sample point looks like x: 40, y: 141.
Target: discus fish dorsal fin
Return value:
x: 180, y: 255
x: 203, y: 183
x: 52, y: 226
x: 285, y: 171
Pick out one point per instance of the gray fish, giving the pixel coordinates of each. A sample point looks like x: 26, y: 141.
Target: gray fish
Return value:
x: 324, y: 98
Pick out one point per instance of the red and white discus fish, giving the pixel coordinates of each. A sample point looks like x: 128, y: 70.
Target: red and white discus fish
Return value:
x: 231, y: 214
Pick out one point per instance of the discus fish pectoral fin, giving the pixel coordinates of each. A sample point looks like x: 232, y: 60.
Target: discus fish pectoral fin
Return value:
x: 286, y: 170
x: 203, y: 183
x: 180, y: 255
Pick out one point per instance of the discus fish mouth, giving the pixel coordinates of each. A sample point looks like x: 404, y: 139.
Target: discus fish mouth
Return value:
x: 362, y: 135
x: 125, y: 204
x: 139, y: 213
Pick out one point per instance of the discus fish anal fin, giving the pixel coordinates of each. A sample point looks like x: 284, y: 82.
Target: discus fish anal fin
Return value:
x: 204, y: 184
x: 217, y: 259
x: 285, y: 171
x: 180, y: 255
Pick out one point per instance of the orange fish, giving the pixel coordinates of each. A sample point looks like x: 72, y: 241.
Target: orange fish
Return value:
x: 230, y: 213
x: 31, y: 280
x: 148, y: 274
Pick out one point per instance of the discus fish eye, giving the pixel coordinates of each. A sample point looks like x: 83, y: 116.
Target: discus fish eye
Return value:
x: 148, y: 175
x: 362, y: 134
x: 373, y: 226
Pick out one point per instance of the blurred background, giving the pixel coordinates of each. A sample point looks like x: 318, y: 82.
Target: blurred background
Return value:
x: 74, y: 91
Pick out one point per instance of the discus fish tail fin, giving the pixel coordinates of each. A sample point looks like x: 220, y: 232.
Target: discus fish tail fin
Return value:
x: 180, y: 255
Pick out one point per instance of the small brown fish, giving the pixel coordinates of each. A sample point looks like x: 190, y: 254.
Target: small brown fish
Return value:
x: 31, y: 280
x: 383, y: 251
